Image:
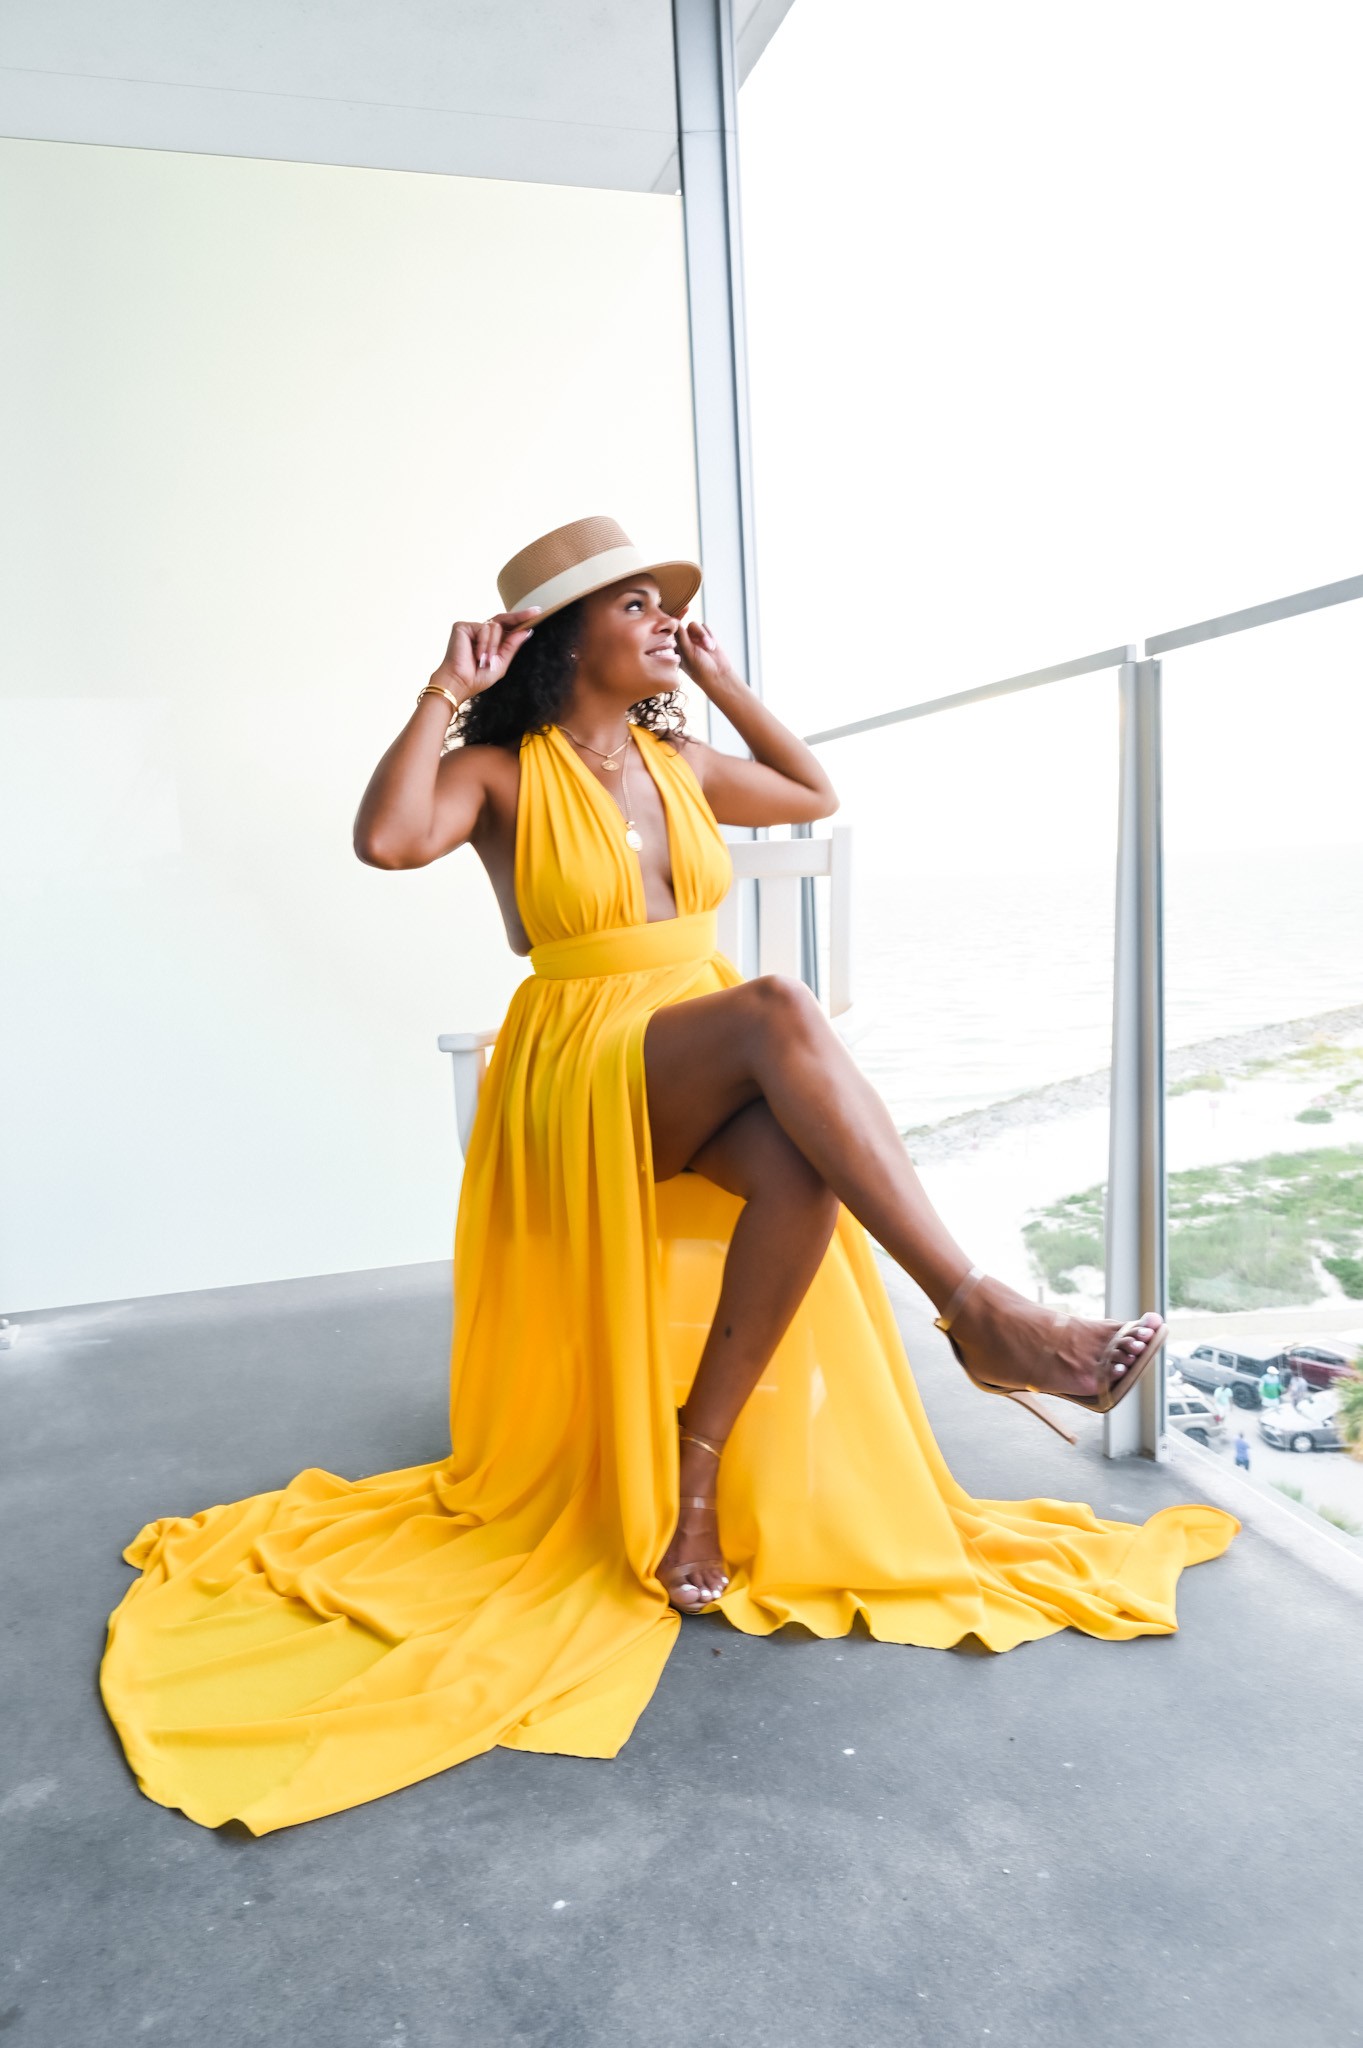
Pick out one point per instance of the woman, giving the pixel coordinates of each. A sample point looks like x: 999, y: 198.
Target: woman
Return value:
x: 666, y: 1197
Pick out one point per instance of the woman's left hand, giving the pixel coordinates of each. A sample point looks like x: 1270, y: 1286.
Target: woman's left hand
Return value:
x: 702, y: 657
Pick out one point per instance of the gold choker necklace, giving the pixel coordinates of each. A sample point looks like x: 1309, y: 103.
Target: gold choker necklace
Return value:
x: 608, y: 761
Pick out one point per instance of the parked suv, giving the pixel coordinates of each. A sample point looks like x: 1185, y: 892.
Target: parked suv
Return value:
x: 1194, y: 1416
x: 1212, y: 1366
x: 1317, y: 1366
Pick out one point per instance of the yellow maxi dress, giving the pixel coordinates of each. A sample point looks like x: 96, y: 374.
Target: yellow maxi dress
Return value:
x: 306, y: 1650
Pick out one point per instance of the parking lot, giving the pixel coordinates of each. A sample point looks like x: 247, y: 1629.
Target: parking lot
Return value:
x: 1325, y: 1479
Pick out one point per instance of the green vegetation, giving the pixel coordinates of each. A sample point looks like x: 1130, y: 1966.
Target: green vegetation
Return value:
x: 1349, y: 1273
x: 1067, y: 1235
x: 1349, y: 1412
x: 1335, y: 1516
x: 1341, y: 1064
x: 1241, y: 1236
x: 1325, y: 1056
x: 1211, y: 1083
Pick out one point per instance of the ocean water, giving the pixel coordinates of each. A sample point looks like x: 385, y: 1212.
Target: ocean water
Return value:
x: 983, y: 986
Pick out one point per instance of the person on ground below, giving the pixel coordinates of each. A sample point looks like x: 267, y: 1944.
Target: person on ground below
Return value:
x: 749, y: 1086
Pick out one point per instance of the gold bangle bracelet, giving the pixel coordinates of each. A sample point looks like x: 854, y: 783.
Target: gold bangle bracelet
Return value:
x: 439, y: 690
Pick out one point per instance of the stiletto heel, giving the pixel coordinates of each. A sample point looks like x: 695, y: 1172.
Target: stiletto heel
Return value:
x: 1026, y: 1399
x: 1115, y: 1388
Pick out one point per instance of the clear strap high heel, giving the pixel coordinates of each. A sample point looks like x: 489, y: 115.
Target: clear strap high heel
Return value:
x: 1114, y: 1385
x: 675, y: 1578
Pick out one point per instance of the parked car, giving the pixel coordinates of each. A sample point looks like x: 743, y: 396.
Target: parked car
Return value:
x: 1186, y: 1410
x: 1213, y: 1365
x: 1290, y: 1429
x: 1317, y: 1366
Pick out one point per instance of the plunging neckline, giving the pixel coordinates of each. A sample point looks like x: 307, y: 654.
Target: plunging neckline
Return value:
x: 619, y: 816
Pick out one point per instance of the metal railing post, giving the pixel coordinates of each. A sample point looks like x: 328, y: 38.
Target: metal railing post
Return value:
x: 707, y: 137
x: 1136, y: 1189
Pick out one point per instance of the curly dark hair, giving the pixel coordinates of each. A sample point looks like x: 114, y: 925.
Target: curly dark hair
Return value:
x: 536, y: 688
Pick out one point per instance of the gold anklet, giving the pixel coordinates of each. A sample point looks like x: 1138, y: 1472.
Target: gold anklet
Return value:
x: 688, y: 1436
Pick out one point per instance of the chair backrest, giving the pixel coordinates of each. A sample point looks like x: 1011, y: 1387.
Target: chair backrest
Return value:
x: 779, y: 866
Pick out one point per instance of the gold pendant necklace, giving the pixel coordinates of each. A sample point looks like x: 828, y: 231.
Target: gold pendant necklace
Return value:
x: 633, y: 837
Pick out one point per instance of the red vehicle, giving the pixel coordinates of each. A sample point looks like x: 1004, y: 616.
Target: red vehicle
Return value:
x: 1317, y: 1366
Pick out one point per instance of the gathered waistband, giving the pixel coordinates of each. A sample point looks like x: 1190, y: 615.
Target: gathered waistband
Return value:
x: 630, y: 948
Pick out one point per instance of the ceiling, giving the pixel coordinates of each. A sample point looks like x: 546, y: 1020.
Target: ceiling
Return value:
x: 569, y: 92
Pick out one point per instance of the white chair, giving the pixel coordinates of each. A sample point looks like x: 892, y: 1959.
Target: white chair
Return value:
x: 778, y: 867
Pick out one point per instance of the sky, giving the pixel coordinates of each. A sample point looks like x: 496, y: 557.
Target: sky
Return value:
x: 1054, y: 324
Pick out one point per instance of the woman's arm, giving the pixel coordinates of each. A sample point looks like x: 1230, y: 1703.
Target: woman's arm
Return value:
x: 784, y: 783
x: 421, y: 803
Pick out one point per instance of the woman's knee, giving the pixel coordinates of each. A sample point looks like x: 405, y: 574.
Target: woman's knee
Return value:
x: 784, y: 1011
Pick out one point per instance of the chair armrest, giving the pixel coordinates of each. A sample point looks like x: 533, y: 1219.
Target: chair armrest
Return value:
x: 468, y: 1056
x: 466, y: 1041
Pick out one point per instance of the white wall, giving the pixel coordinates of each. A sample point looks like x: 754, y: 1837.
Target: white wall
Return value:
x: 274, y: 425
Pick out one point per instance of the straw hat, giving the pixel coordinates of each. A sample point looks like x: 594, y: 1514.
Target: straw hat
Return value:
x: 574, y: 560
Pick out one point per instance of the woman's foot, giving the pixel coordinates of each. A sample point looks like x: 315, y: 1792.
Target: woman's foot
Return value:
x: 693, y: 1570
x: 1006, y: 1342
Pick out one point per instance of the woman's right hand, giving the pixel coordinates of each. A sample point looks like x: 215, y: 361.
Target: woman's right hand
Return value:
x: 480, y: 655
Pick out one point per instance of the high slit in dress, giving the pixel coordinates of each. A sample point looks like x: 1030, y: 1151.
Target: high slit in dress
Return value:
x: 302, y: 1651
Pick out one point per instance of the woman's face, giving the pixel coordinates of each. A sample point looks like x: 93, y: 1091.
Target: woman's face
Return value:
x: 628, y: 643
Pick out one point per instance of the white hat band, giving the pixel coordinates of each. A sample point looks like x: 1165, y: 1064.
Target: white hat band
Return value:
x: 592, y: 574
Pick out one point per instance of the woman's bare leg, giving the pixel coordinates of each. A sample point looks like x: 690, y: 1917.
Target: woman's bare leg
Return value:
x: 710, y: 1056
x: 781, y: 1235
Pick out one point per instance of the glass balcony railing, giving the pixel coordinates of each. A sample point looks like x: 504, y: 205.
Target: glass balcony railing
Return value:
x: 1264, y: 1069
x: 1154, y: 1087
x: 982, y: 940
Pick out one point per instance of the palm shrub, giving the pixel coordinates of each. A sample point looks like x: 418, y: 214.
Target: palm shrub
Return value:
x: 1349, y: 1411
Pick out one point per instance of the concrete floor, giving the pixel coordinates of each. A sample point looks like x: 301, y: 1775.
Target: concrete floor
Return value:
x: 1105, y: 1845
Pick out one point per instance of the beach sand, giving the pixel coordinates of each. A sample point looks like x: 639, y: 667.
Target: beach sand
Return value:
x: 990, y: 1170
